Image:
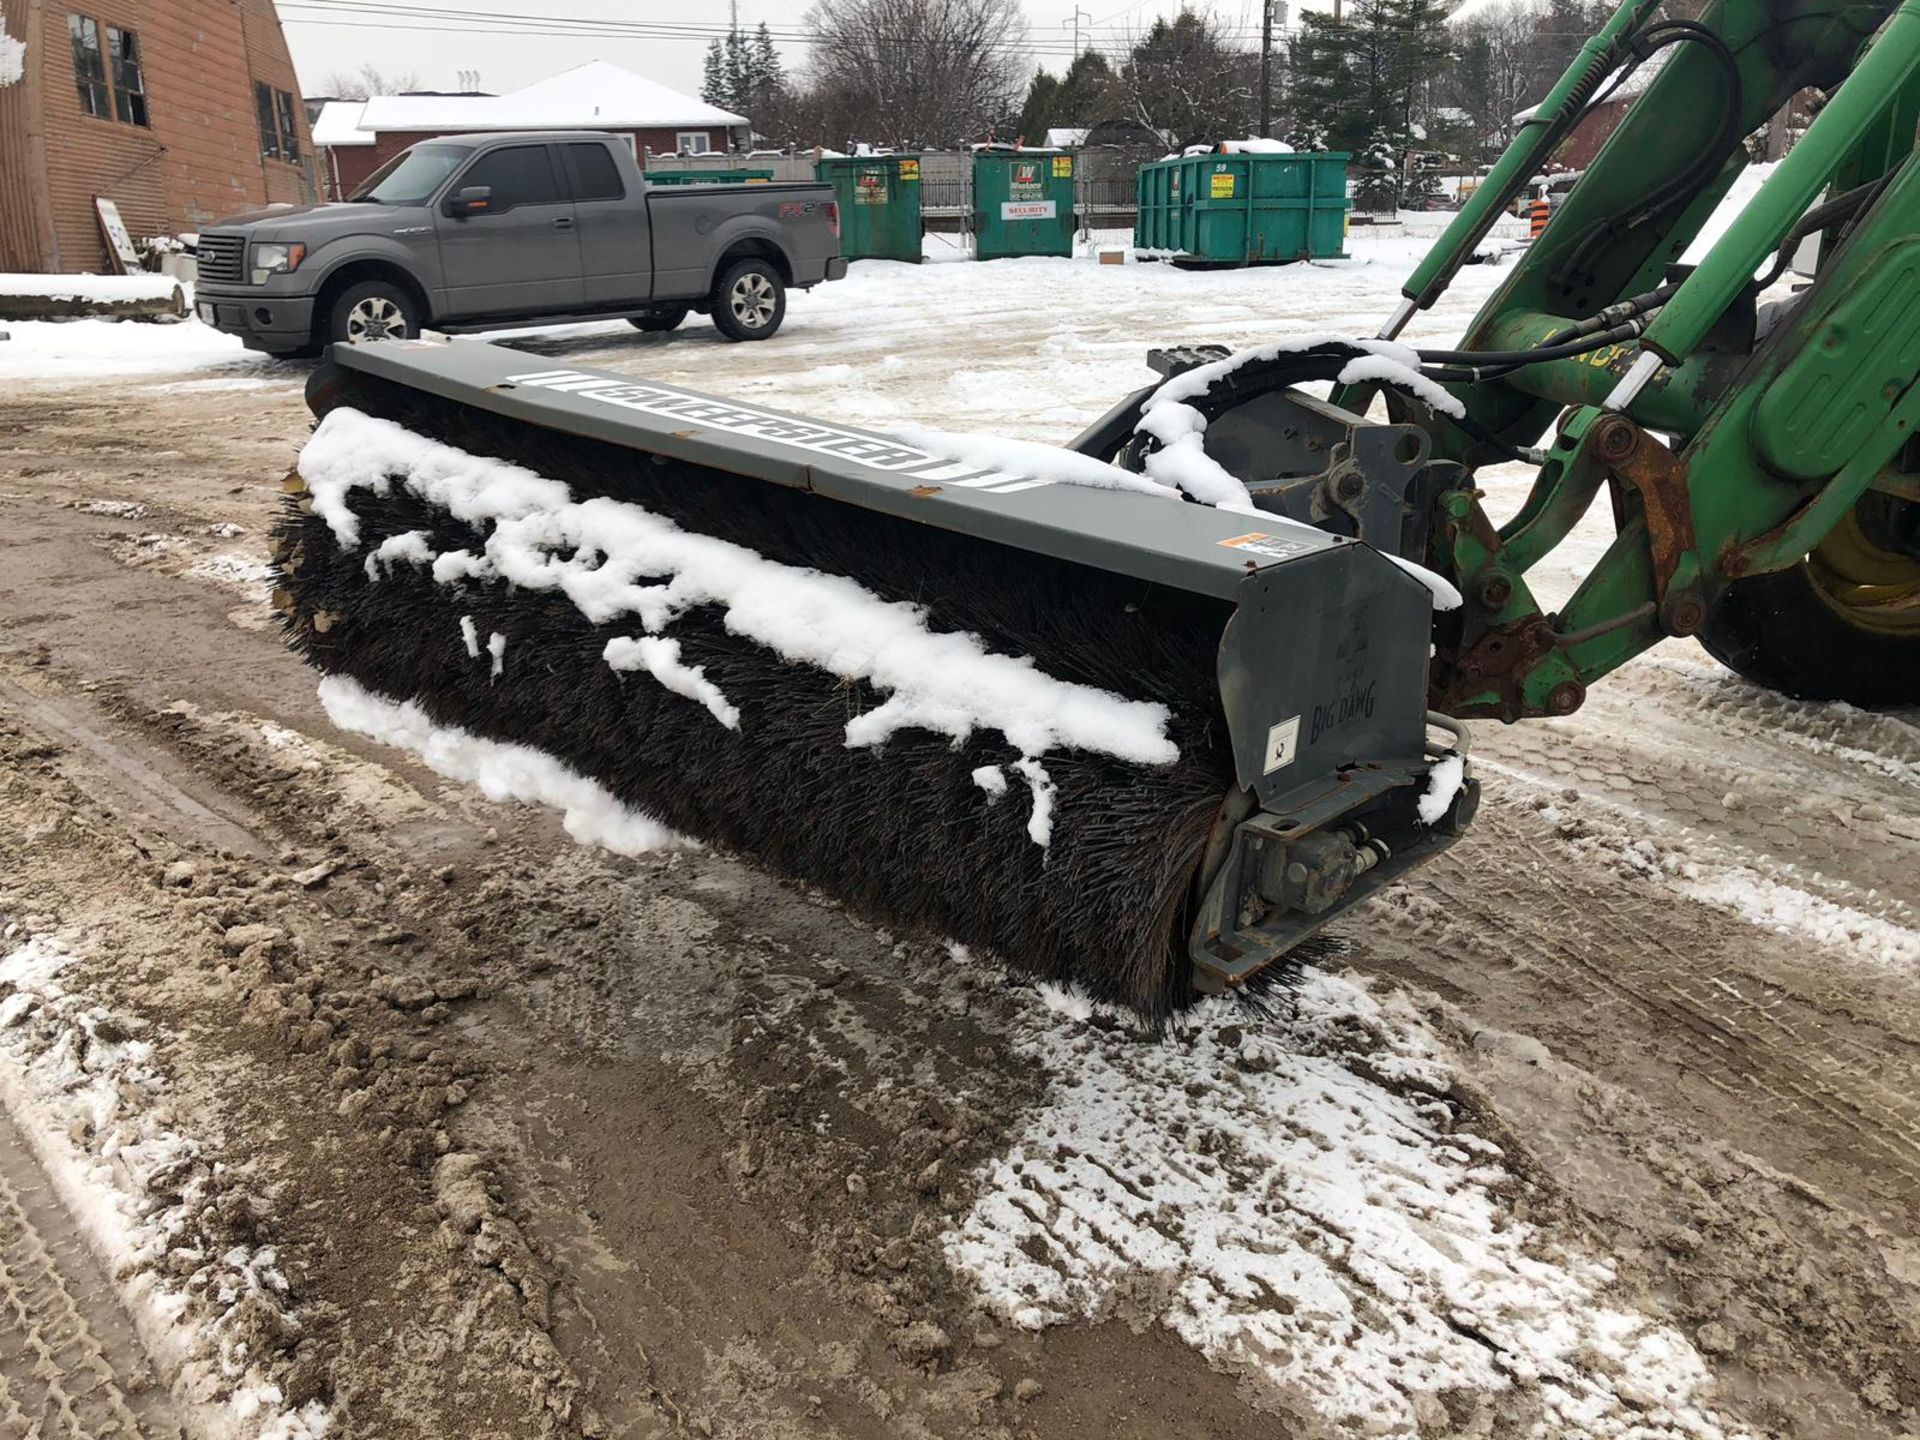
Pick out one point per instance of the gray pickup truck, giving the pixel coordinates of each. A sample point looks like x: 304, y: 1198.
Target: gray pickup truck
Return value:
x: 485, y: 232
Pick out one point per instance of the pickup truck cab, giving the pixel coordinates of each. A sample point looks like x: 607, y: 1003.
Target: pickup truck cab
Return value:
x: 484, y: 232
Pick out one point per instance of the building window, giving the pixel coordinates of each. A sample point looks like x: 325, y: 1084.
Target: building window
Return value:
x: 289, y: 132
x: 89, y: 69
x: 693, y: 142
x: 273, y: 112
x: 129, y: 85
x: 269, y: 126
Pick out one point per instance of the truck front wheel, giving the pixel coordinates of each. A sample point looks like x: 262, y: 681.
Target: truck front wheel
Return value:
x: 373, y: 310
x: 749, y: 300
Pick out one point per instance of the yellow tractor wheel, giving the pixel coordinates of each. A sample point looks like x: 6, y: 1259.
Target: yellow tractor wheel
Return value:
x: 1843, y: 624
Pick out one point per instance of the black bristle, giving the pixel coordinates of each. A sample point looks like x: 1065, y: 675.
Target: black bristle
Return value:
x: 899, y: 831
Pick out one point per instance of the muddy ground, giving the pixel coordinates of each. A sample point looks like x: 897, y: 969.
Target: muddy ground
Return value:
x: 548, y: 1141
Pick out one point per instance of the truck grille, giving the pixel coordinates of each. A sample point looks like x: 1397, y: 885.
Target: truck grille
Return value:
x: 222, y: 257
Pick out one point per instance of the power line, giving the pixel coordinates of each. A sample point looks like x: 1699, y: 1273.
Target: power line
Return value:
x: 520, y: 22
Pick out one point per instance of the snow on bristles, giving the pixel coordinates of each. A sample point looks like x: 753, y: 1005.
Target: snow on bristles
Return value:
x: 615, y: 560
x: 87, y: 1091
x: 591, y: 814
x: 661, y: 659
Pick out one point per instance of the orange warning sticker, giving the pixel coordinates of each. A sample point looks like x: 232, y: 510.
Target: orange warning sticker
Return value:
x: 1273, y: 547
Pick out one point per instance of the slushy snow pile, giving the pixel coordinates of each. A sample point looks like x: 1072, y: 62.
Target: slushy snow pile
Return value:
x: 86, y: 1091
x: 90, y: 287
x: 1297, y: 1200
x: 620, y: 564
x: 592, y: 814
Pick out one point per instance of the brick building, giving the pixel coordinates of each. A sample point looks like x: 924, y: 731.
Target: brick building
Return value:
x: 179, y: 111
x: 357, y: 138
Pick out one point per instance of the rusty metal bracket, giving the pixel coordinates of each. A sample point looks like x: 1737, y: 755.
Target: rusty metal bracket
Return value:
x: 1660, y: 477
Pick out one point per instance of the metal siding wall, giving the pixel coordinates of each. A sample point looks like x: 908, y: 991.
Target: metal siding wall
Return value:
x: 22, y: 183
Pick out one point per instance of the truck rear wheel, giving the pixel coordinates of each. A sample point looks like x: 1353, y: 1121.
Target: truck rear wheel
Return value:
x: 749, y: 300
x: 1843, y: 624
x: 667, y: 317
x: 373, y: 310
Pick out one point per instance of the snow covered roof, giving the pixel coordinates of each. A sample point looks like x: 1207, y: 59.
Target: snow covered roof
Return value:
x: 1061, y: 139
x: 595, y: 96
x: 339, y: 124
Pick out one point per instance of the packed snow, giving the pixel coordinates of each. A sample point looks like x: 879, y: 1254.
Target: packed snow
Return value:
x: 592, y: 814
x: 1299, y: 1200
x: 598, y: 553
x: 86, y: 1088
x: 1443, y: 783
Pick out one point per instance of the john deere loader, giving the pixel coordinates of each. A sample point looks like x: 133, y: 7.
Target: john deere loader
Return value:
x: 1147, y: 712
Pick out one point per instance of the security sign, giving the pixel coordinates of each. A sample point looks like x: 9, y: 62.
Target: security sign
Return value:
x: 1027, y: 210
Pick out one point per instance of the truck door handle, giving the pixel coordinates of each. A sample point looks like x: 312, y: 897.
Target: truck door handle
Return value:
x: 563, y: 222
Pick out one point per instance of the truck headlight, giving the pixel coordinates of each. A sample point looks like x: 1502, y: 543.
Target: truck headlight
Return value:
x: 276, y: 260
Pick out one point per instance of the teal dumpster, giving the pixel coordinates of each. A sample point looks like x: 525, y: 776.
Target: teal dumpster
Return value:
x: 709, y: 177
x: 1251, y: 209
x: 1022, y: 203
x: 879, y: 199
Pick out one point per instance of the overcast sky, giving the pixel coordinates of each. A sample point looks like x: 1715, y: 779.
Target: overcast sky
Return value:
x: 403, y: 36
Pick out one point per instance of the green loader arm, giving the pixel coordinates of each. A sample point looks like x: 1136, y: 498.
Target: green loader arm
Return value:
x: 1728, y: 458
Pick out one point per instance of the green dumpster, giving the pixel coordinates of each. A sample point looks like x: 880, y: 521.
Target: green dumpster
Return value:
x: 1022, y: 203
x: 709, y: 177
x: 1247, y: 209
x: 879, y: 199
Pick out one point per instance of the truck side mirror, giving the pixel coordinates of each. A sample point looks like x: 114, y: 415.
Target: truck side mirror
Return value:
x: 470, y: 200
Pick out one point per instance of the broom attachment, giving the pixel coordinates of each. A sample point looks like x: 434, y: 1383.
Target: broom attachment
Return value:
x: 1129, y: 744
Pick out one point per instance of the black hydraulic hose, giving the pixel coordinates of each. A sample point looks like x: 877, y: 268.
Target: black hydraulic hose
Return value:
x: 1684, y: 184
x: 1484, y: 359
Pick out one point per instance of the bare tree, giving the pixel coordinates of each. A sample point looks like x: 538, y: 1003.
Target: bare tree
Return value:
x: 1185, y: 81
x: 913, y: 72
x: 367, y: 82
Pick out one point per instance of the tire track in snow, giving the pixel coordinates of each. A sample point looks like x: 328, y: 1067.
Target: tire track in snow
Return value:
x: 69, y: 1362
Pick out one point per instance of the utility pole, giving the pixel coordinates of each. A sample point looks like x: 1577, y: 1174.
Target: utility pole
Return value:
x: 1266, y: 69
x: 1074, y: 25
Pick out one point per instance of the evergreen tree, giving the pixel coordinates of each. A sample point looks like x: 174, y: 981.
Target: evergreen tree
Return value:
x: 1087, y: 92
x: 736, y: 68
x: 1037, y: 112
x: 768, y: 77
x: 713, y: 78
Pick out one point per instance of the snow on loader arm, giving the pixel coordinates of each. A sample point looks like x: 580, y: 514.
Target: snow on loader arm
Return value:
x: 1047, y: 708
